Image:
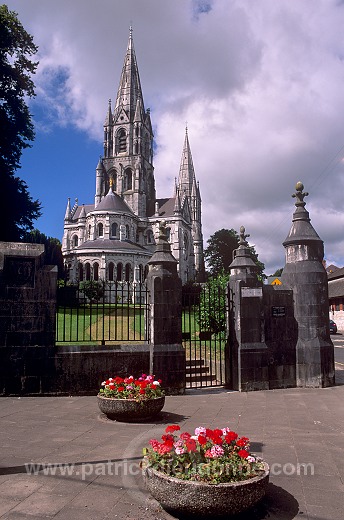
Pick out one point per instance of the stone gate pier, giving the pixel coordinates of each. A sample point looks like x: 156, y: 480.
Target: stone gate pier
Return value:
x: 279, y: 335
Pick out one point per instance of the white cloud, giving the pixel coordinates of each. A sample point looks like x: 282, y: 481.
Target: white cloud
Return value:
x: 259, y: 83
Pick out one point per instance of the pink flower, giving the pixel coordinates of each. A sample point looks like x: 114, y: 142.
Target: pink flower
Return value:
x: 180, y: 450
x: 200, y: 431
x: 215, y: 452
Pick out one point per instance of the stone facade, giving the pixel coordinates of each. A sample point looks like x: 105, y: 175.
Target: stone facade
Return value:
x: 113, y: 239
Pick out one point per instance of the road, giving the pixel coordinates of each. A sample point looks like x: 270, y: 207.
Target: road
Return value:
x: 338, y: 341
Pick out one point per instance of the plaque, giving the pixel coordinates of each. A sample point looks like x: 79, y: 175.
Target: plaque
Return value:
x: 19, y: 271
x: 278, y: 312
x: 248, y: 292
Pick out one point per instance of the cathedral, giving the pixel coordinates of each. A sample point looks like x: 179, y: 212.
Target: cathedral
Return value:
x: 113, y: 239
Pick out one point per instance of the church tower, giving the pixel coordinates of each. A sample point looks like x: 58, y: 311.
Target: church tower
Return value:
x: 128, y: 144
x: 188, y: 188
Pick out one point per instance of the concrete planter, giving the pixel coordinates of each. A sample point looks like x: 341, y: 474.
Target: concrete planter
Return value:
x: 129, y: 410
x: 201, y: 499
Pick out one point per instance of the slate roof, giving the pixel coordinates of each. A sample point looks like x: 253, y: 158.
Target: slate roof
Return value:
x: 338, y: 273
x: 166, y: 207
x: 113, y: 202
x: 336, y: 288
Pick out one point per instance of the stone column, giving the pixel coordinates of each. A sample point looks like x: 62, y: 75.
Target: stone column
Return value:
x: 167, y: 355
x: 246, y: 357
x: 305, y: 274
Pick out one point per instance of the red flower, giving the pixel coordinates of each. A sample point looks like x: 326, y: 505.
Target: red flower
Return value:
x: 243, y: 453
x: 202, y: 440
x: 120, y: 388
x: 118, y: 380
x: 142, y: 391
x: 168, y: 440
x: 242, y: 442
x: 190, y: 445
x: 172, y: 428
x: 230, y: 436
x: 185, y: 436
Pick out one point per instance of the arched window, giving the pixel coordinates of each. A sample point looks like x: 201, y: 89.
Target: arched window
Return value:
x: 88, y: 271
x: 122, y: 141
x: 96, y: 271
x: 127, y: 232
x: 100, y: 230
x: 75, y: 240
x: 111, y: 270
x: 146, y: 271
x: 119, y: 272
x: 150, y: 237
x: 140, y: 273
x: 128, y: 179
x: 114, y: 229
x: 81, y: 272
x: 89, y: 231
x: 113, y: 176
x: 127, y: 272
x: 168, y: 233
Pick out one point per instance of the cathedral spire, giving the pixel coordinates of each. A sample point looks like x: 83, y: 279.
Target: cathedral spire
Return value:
x: 186, y: 172
x: 129, y: 90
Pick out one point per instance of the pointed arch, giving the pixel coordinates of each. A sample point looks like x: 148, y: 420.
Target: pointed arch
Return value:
x: 96, y: 271
x: 121, y: 141
x: 111, y: 271
x: 128, y: 179
x: 100, y: 229
x: 114, y: 229
x: 119, y: 272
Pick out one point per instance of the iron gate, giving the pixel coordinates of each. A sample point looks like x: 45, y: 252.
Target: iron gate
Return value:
x: 204, y: 326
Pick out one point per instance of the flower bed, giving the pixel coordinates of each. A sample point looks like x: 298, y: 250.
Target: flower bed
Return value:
x: 129, y: 399
x: 211, y: 472
x: 140, y: 389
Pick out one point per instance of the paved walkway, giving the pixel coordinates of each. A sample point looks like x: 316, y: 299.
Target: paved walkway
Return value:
x: 288, y: 427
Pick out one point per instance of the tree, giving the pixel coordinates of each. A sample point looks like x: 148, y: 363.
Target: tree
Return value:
x: 17, y: 132
x: 212, y: 316
x: 219, y: 253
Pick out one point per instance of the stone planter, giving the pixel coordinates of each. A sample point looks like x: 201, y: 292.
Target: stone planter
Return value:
x: 201, y: 499
x: 129, y: 410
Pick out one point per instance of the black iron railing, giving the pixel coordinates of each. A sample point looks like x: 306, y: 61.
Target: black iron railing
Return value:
x: 101, y: 313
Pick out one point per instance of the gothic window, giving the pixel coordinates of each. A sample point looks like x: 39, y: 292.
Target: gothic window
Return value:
x: 111, y: 270
x: 89, y: 231
x: 100, y: 230
x: 113, y: 179
x: 88, y: 271
x: 75, y: 240
x: 114, y: 229
x: 81, y: 272
x: 127, y: 272
x: 128, y: 179
x: 150, y: 237
x: 146, y: 271
x: 168, y: 233
x: 127, y: 231
x: 122, y: 141
x: 140, y: 273
x: 119, y: 272
x: 96, y: 271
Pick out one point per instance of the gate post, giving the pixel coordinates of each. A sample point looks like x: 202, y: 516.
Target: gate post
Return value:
x: 167, y: 355
x: 246, y: 357
x: 305, y: 274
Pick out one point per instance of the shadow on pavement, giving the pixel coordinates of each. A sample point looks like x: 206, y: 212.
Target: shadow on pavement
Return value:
x: 277, y: 504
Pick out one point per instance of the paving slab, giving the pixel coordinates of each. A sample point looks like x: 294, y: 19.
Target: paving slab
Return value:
x: 300, y: 432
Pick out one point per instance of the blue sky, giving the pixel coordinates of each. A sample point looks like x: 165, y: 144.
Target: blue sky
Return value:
x: 260, y: 85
